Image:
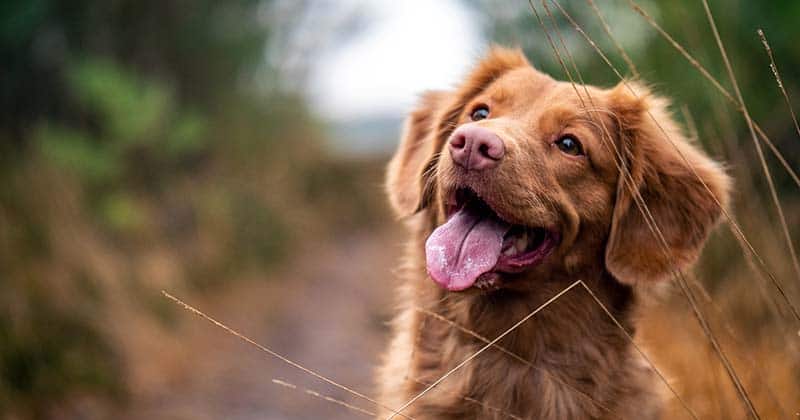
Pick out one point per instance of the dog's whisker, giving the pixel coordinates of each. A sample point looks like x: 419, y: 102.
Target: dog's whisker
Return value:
x: 451, y: 124
x: 482, y: 349
x: 272, y: 353
x: 432, y: 169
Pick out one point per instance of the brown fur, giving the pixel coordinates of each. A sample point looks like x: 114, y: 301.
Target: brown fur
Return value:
x: 605, y: 242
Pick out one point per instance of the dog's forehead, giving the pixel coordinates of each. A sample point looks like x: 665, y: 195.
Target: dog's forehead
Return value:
x: 524, y: 84
x: 528, y: 88
x: 531, y: 94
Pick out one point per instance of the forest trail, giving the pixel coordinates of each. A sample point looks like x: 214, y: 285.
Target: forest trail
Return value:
x: 331, y: 320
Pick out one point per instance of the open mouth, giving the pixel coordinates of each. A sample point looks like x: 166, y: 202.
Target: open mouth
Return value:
x: 475, y: 246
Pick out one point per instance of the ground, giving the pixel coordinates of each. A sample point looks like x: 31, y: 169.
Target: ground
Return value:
x: 332, y: 320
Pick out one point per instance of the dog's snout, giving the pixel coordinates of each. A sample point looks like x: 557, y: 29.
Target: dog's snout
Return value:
x: 476, y: 148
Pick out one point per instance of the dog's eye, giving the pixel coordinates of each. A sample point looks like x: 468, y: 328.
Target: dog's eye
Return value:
x: 570, y: 145
x: 480, y: 113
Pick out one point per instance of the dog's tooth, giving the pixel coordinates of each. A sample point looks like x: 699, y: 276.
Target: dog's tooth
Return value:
x: 509, y: 251
x: 522, y: 242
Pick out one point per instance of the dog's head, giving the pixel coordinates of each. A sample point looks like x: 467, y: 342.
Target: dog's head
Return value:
x: 525, y: 176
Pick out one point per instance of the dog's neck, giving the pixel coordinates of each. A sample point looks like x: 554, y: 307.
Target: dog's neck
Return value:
x: 568, y: 313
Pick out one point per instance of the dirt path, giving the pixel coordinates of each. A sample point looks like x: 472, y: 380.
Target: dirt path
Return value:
x: 327, y: 310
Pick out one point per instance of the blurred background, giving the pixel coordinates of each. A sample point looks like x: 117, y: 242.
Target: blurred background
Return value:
x: 232, y: 154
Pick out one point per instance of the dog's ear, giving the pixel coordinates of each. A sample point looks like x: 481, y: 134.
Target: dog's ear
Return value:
x: 681, y: 206
x: 409, y: 175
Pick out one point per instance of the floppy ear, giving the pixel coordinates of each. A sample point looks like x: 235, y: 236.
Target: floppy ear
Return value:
x: 408, y: 178
x: 680, y: 204
x: 409, y: 170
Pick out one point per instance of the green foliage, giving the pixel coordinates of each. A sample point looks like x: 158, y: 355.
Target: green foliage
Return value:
x: 75, y: 150
x: 48, y: 354
x: 139, y: 132
x: 114, y: 119
x: 122, y: 212
x: 132, y: 111
x: 264, y: 237
x: 135, y: 131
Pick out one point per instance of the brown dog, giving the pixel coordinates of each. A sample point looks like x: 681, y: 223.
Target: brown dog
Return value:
x: 512, y: 189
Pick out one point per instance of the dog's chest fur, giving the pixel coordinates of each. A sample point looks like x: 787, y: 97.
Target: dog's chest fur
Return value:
x: 569, y: 361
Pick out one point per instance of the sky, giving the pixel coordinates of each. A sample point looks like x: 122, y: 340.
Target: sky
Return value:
x: 404, y: 48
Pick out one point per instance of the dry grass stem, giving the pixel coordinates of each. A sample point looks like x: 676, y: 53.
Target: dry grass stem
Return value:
x: 755, y: 131
x: 762, y: 159
x: 649, y: 19
x: 639, y: 350
x: 277, y: 355
x: 755, y: 369
x: 481, y: 350
x: 617, y: 45
x: 690, y: 123
x: 774, y: 68
x: 736, y: 229
x: 768, y: 297
x: 474, y: 401
x: 627, y: 179
x: 681, y: 280
x: 327, y: 398
x: 511, y: 354
x: 725, y: 212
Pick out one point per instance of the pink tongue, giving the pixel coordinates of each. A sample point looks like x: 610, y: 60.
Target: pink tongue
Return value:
x: 465, y: 247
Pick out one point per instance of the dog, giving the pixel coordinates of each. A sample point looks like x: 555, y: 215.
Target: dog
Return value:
x: 514, y: 186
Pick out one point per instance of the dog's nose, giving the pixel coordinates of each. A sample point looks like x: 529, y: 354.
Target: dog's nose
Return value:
x: 476, y: 148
